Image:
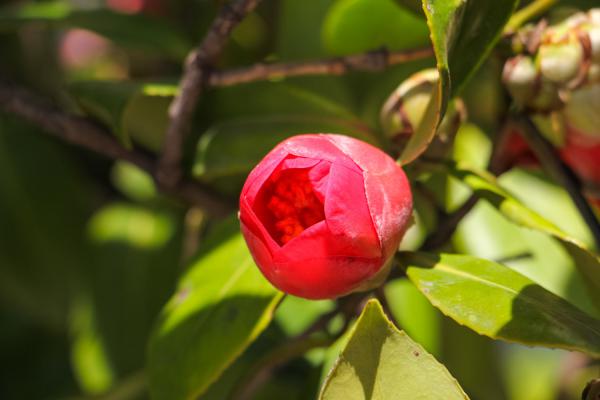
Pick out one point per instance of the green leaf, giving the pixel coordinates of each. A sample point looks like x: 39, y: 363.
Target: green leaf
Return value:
x: 485, y: 186
x: 222, y: 304
x: 354, y: 26
x: 463, y: 33
x: 380, y: 362
x: 130, y: 30
x: 130, y: 109
x: 495, y: 301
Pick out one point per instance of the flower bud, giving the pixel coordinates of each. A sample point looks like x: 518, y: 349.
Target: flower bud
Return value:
x: 521, y: 78
x: 405, y: 109
x: 323, y: 213
x: 567, y: 58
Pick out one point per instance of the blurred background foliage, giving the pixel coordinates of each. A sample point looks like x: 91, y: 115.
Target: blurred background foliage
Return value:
x: 90, y: 252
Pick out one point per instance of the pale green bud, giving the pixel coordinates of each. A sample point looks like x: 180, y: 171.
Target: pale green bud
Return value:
x: 520, y: 77
x: 560, y: 63
x: 404, y: 109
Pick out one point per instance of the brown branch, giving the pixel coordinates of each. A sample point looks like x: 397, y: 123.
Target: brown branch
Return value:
x: 563, y: 175
x: 192, y: 84
x: 85, y: 133
x: 371, y: 61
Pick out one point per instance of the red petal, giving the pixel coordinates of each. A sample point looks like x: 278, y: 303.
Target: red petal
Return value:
x: 347, y: 214
x: 386, y: 188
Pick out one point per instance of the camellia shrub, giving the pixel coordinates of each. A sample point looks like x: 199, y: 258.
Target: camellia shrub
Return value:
x: 278, y: 199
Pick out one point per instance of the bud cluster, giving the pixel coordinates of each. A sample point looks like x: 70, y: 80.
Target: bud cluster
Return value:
x: 556, y: 77
x: 555, y: 64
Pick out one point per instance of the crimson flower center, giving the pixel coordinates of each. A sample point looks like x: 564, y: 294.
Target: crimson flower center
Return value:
x: 291, y: 204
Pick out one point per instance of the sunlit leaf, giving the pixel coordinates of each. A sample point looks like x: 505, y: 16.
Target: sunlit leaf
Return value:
x: 354, y: 26
x: 379, y: 362
x: 485, y: 186
x: 495, y: 301
x: 221, y: 305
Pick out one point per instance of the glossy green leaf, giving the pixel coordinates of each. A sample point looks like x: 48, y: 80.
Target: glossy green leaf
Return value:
x: 379, y: 362
x: 485, y: 186
x: 222, y: 304
x: 130, y: 109
x: 130, y: 30
x: 463, y: 33
x: 354, y: 26
x: 495, y: 301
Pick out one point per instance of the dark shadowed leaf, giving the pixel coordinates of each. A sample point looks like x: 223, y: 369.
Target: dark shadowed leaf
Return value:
x: 495, y: 301
x: 379, y: 362
x: 222, y: 304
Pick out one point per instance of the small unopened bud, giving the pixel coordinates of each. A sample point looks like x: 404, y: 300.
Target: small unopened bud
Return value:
x: 520, y: 77
x: 405, y: 109
x: 560, y: 63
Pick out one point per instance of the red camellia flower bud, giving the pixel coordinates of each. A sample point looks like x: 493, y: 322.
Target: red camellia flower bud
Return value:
x: 323, y: 213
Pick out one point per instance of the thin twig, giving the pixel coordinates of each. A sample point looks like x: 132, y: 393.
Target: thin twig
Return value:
x: 547, y: 156
x: 192, y: 84
x: 90, y: 135
x: 372, y: 61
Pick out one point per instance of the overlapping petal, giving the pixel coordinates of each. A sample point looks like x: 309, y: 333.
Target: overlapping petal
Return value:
x: 366, y: 203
